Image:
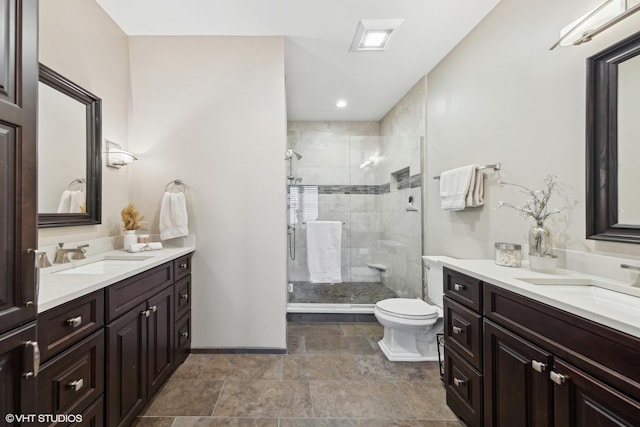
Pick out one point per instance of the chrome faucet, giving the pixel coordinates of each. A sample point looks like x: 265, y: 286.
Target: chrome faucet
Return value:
x: 64, y: 255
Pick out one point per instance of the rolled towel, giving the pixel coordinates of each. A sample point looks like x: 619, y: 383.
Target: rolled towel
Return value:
x: 141, y: 247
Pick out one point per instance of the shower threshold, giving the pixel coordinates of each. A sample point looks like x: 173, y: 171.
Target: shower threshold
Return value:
x: 343, y: 308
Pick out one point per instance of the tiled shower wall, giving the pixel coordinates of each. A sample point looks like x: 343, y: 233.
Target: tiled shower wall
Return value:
x: 352, y: 167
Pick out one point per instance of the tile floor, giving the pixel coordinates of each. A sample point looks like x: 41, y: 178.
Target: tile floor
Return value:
x: 334, y: 375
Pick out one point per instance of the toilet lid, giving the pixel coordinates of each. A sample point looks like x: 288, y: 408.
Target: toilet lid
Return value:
x: 407, y: 308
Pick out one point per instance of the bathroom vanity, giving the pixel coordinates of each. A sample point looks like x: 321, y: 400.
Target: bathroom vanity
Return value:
x: 523, y: 351
x: 111, y: 330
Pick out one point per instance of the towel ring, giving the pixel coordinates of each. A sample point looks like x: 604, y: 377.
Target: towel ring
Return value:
x: 79, y: 181
x: 177, y: 183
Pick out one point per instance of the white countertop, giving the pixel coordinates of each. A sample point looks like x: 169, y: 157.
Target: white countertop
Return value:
x: 602, y: 300
x: 56, y: 289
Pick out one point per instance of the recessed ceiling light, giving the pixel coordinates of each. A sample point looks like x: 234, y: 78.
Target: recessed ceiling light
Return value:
x: 341, y: 103
x: 374, y: 34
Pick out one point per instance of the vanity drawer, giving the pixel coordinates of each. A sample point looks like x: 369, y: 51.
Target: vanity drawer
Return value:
x: 463, y: 385
x: 93, y: 416
x: 464, y: 289
x: 123, y: 296
x: 183, y: 338
x: 71, y: 381
x: 63, y: 326
x: 182, y: 296
x: 463, y: 332
x: 182, y: 266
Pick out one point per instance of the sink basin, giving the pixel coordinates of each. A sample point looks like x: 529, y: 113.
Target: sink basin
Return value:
x: 573, y: 281
x: 104, y: 266
x: 597, y: 299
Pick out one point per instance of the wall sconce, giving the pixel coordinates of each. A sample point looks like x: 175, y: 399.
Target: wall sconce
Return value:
x: 593, y: 23
x: 117, y: 157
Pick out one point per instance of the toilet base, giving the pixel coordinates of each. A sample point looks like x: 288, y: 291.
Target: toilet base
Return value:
x: 399, y: 356
x: 409, y: 345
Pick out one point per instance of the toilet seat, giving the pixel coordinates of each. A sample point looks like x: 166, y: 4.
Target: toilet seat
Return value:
x: 407, y: 308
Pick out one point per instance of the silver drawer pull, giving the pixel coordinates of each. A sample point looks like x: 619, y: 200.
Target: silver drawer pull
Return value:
x: 458, y: 287
x: 74, y: 321
x: 35, y: 354
x: 458, y: 382
x: 185, y: 334
x: 538, y: 366
x: 558, y: 378
x: 457, y: 330
x: 183, y: 265
x: 184, y: 296
x: 76, y: 385
x: 145, y: 313
x: 154, y: 308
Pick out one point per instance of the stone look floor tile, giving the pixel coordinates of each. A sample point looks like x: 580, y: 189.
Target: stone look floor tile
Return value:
x: 313, y: 329
x: 295, y: 344
x: 321, y: 367
x: 224, y: 422
x: 336, y: 344
x: 185, y: 397
x: 427, y: 401
x: 376, y: 367
x: 334, y: 422
x: 368, y: 329
x: 260, y: 398
x: 153, y: 422
x: 357, y: 399
x: 230, y: 366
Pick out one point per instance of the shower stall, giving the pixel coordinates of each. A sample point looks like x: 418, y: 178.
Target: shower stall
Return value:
x: 372, y: 185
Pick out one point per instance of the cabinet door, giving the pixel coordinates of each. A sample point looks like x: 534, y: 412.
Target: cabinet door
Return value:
x: 17, y: 391
x: 582, y: 401
x: 18, y: 217
x: 126, y: 370
x: 517, y: 387
x: 160, y: 359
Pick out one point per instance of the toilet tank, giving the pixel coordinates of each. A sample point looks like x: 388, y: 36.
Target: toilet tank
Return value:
x: 433, y: 276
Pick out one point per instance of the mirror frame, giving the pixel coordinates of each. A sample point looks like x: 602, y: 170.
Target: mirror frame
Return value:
x: 93, y: 186
x: 602, y: 143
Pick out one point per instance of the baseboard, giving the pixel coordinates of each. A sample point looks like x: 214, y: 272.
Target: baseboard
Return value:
x: 330, y: 317
x: 238, y: 351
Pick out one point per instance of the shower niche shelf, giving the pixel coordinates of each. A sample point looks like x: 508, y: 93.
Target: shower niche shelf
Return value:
x: 400, y: 179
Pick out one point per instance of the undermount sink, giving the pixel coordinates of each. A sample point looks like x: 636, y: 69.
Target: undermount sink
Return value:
x: 597, y: 298
x: 573, y: 281
x: 103, y: 266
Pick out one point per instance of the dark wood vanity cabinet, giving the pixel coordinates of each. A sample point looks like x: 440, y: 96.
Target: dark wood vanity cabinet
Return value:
x: 463, y: 376
x: 536, y: 365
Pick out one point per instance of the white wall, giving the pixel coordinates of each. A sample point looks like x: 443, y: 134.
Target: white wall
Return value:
x: 80, y: 41
x: 211, y: 111
x: 502, y: 96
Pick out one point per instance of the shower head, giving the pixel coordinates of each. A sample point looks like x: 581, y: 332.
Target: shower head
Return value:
x: 290, y: 153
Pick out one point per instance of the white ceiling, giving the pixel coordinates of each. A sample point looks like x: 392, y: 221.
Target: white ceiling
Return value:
x: 320, y: 69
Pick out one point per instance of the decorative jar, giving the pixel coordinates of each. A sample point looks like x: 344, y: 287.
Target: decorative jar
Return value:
x: 508, y: 254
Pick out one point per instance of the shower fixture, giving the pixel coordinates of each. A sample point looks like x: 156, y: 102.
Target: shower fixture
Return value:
x: 290, y: 153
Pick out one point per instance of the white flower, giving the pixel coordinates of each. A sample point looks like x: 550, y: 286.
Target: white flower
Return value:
x: 537, y: 206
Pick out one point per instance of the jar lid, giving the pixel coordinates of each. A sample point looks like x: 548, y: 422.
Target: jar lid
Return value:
x: 508, y: 246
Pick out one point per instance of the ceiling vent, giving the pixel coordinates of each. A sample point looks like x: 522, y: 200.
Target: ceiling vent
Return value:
x: 374, y: 35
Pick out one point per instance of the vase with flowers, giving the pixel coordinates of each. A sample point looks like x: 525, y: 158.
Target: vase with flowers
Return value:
x: 536, y: 207
x: 131, y: 221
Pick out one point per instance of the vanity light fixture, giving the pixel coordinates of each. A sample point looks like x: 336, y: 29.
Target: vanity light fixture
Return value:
x: 374, y: 34
x: 593, y: 23
x: 117, y: 157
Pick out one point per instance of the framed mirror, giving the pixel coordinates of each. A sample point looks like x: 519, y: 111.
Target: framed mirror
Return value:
x: 613, y: 142
x: 69, y: 155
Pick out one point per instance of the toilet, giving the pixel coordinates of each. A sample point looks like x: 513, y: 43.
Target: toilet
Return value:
x: 411, y: 324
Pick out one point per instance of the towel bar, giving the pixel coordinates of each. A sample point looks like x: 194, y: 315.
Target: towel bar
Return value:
x: 495, y: 167
x: 176, y: 182
x: 304, y: 222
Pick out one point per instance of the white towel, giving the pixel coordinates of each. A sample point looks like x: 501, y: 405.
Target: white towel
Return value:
x: 71, y: 201
x: 173, y: 216
x: 139, y: 247
x: 475, y: 195
x: 65, y: 202
x: 454, y: 187
x: 323, y: 251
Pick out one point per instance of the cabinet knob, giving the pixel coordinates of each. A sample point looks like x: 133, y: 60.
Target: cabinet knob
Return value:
x: 76, y: 385
x: 558, y: 378
x: 183, y: 265
x: 184, y: 296
x: 538, y: 366
x: 457, y: 330
x: 145, y: 313
x: 458, y: 287
x: 458, y: 382
x: 185, y: 334
x: 74, y: 321
x: 154, y: 308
